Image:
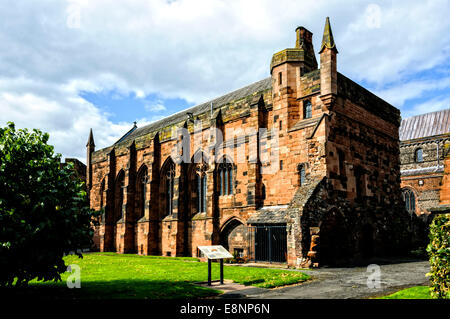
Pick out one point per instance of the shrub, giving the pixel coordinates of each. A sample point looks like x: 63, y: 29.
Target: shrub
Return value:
x: 439, y: 253
x: 44, y: 213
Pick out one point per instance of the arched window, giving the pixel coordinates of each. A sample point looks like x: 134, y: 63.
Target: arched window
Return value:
x: 263, y: 191
x: 307, y: 109
x: 225, y: 170
x: 102, y: 192
x: 419, y: 155
x: 200, y: 176
x: 120, y: 194
x: 410, y: 200
x: 301, y: 174
x: 168, y: 176
x: 142, y: 181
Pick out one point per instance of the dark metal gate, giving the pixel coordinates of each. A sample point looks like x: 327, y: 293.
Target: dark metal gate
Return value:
x: 267, y: 243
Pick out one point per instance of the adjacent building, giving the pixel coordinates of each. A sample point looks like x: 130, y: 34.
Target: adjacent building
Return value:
x: 422, y: 150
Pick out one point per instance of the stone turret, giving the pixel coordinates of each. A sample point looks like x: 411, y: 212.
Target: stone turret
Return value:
x: 302, y: 54
x: 286, y: 68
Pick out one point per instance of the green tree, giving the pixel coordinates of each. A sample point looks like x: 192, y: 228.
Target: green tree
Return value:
x: 44, y: 213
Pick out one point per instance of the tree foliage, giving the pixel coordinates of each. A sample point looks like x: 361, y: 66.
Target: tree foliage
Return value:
x: 439, y: 252
x: 44, y: 213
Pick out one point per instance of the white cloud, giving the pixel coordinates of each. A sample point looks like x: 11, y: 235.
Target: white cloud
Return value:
x: 155, y: 107
x: 401, y: 92
x: 196, y: 50
x: 434, y: 104
x: 65, y: 116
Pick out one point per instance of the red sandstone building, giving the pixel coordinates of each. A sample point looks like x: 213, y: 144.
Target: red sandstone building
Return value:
x: 334, y: 194
x: 422, y: 155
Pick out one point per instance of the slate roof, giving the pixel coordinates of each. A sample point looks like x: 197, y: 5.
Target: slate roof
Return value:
x: 269, y: 215
x: 424, y: 125
x: 201, y: 108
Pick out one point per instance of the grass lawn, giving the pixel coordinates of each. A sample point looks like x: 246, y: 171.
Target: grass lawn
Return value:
x: 111, y: 275
x: 419, y: 292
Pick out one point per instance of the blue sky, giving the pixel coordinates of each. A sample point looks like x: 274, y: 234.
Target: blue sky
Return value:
x: 131, y: 107
x: 67, y: 66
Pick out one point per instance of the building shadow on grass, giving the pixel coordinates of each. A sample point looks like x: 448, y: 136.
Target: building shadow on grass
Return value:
x: 112, y: 289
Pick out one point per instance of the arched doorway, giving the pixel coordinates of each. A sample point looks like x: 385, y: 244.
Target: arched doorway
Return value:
x: 333, y: 243
x: 234, y: 237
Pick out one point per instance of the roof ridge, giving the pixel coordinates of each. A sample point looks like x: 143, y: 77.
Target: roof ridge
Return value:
x: 423, y: 114
x: 154, y: 126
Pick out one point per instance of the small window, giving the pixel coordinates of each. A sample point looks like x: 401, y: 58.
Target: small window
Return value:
x: 281, y: 125
x: 281, y: 165
x: 307, y: 109
x: 238, y: 252
x: 280, y: 78
x: 302, y: 174
x: 419, y: 155
x: 263, y: 191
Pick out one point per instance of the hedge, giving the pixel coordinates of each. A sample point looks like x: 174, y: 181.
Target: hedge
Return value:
x: 439, y: 253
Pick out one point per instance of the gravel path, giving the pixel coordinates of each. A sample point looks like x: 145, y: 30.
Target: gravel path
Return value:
x: 343, y: 283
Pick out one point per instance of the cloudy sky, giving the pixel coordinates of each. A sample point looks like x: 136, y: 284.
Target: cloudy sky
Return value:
x: 68, y: 66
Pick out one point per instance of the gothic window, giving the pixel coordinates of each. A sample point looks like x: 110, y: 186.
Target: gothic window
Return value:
x: 120, y: 191
x: 142, y: 190
x: 225, y: 177
x: 102, y: 191
x: 419, y: 155
x: 200, y: 176
x: 410, y: 200
x: 302, y: 174
x: 307, y: 109
x: 169, y: 178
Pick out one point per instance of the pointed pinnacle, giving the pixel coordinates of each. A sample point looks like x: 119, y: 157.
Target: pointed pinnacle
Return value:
x: 91, y: 139
x: 328, y: 40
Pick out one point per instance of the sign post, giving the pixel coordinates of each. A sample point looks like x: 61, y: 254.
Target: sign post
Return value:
x: 215, y: 252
